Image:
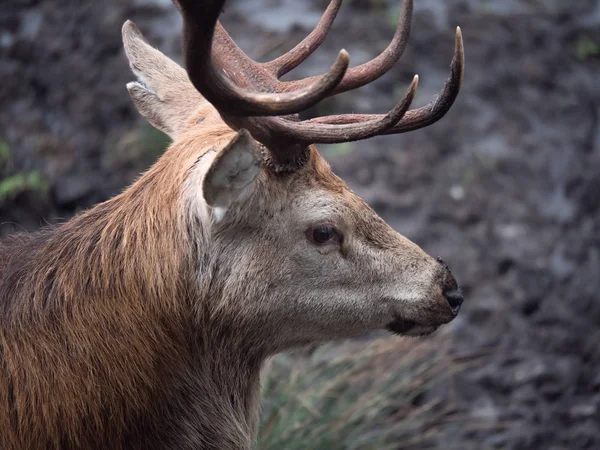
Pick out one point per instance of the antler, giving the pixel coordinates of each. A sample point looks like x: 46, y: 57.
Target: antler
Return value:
x: 199, y: 20
x: 304, y: 49
x: 421, y: 117
x: 317, y: 133
x: 248, y: 94
x: 365, y: 73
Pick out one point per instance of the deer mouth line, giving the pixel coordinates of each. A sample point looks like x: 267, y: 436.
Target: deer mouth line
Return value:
x: 410, y: 328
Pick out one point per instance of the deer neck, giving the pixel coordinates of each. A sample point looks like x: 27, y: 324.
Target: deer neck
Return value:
x: 214, y: 393
x: 218, y: 399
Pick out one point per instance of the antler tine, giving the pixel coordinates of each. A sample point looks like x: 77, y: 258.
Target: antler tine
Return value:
x: 241, y: 69
x: 365, y: 73
x: 282, y: 65
x: 317, y: 133
x: 199, y: 19
x: 420, y: 117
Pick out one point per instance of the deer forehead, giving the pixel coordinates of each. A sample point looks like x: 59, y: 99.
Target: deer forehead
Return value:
x: 315, y: 195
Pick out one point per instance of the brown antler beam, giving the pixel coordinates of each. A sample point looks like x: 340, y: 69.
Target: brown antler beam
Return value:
x: 199, y: 20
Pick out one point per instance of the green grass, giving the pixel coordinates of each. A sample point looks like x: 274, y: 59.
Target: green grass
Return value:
x: 19, y: 183
x: 14, y: 184
x: 355, y: 396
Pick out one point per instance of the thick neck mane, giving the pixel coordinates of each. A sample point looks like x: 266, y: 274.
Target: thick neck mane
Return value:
x: 98, y: 332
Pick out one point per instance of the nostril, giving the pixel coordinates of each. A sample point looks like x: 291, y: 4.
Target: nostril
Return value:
x: 455, y: 299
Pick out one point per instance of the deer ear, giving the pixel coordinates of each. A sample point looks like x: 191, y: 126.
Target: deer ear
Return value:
x: 163, y: 93
x: 232, y: 173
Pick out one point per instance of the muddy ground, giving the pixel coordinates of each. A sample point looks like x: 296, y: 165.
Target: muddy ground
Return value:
x: 506, y: 188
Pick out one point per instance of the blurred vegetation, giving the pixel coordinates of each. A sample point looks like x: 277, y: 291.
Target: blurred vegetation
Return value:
x: 356, y: 396
x: 14, y: 184
x: 587, y: 48
x: 5, y: 158
x: 19, y: 183
x: 333, y: 150
x: 140, y: 147
x: 393, y: 15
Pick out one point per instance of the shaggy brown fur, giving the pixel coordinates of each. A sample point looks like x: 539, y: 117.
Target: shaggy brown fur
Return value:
x: 97, y: 346
x: 129, y: 328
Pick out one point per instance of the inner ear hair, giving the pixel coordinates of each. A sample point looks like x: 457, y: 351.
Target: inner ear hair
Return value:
x: 232, y: 172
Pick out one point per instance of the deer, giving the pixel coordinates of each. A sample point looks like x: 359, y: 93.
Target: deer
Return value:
x: 143, y: 322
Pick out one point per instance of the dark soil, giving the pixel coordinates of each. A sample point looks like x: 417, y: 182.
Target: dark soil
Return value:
x: 506, y: 188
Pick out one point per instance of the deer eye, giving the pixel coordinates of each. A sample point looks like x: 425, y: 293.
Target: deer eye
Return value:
x: 324, y: 234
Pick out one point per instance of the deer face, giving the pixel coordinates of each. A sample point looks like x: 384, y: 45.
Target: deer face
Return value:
x: 355, y: 273
x: 287, y: 248
x: 304, y: 259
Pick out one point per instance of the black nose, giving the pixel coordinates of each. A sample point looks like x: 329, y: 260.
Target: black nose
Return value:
x: 455, y: 299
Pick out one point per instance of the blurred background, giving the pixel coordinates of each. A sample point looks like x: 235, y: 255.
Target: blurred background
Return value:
x: 506, y: 188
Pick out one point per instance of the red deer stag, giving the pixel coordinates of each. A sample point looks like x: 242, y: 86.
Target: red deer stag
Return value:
x: 143, y: 322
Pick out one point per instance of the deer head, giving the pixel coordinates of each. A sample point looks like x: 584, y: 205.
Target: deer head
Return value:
x: 284, y: 252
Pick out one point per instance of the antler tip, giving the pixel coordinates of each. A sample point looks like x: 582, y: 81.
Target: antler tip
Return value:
x: 414, y: 84
x: 412, y: 89
x: 339, y: 67
x: 344, y: 55
x: 459, y: 52
x: 459, y: 39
